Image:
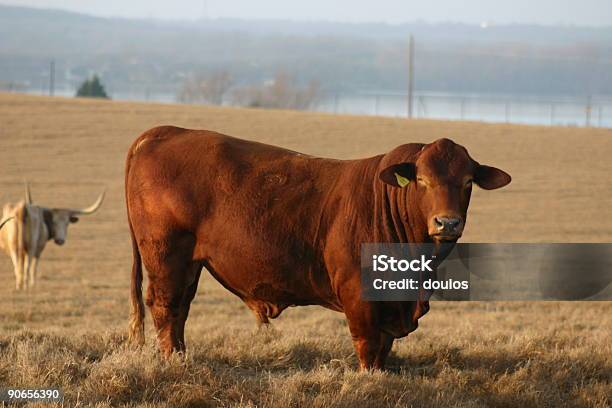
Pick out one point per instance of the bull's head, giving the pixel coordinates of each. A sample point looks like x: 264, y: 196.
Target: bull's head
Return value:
x: 438, y: 180
x: 57, y: 219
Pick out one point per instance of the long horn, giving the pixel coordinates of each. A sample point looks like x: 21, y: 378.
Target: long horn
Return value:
x: 92, y: 208
x: 4, y: 222
x: 28, y: 194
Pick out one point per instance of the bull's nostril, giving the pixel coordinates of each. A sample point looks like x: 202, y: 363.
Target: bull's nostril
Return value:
x: 438, y: 223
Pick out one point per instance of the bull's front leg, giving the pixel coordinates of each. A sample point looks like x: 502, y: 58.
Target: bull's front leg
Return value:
x: 386, y: 344
x: 367, y: 347
x: 367, y: 337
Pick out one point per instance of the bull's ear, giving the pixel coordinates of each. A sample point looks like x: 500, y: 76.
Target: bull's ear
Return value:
x: 490, y: 178
x: 74, y: 219
x: 398, y: 175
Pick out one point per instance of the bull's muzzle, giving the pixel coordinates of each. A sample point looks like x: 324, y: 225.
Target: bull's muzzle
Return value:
x: 446, y: 227
x: 59, y: 241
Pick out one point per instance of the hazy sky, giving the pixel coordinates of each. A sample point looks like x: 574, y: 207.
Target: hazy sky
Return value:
x: 578, y: 12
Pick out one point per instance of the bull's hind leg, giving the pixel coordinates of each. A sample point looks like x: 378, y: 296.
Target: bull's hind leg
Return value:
x: 188, y: 295
x: 169, y: 266
x: 18, y: 265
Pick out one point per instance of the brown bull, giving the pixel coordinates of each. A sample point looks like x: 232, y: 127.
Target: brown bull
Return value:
x: 279, y: 228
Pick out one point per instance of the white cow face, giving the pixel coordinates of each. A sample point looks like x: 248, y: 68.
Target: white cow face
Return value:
x: 57, y: 221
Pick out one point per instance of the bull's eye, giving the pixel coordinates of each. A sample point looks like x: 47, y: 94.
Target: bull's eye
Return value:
x: 421, y: 181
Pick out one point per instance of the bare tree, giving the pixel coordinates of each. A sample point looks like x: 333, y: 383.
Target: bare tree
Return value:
x: 209, y: 89
x: 308, y: 96
x: 280, y: 93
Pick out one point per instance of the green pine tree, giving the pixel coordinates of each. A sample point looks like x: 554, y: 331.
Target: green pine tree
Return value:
x: 92, y: 88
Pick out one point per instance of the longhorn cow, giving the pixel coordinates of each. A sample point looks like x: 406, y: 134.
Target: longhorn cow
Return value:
x: 25, y: 239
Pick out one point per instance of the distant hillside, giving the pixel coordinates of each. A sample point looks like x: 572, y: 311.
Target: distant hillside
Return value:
x: 158, y: 55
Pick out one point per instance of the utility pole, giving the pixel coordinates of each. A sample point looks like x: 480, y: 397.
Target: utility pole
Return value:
x: 410, y: 75
x: 52, y: 78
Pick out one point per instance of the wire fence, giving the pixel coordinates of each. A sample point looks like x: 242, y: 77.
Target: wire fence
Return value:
x: 590, y: 111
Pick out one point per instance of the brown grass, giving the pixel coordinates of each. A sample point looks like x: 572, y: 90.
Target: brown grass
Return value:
x: 69, y: 331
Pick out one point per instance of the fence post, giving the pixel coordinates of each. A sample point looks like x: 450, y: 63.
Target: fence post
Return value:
x: 552, y: 114
x: 52, y: 78
x: 600, y: 115
x: 507, y: 111
x: 423, y: 105
x: 588, y: 112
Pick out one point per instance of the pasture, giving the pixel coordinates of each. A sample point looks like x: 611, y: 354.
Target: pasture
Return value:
x: 70, y: 331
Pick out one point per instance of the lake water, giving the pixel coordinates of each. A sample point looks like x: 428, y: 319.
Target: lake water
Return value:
x: 537, y: 110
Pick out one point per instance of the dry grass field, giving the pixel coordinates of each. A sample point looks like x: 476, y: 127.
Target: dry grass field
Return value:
x: 70, y: 330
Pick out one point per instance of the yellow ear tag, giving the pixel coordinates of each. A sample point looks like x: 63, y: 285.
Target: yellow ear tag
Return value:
x: 401, y: 180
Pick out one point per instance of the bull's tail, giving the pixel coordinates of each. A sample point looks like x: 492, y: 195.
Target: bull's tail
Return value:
x: 136, y: 331
x: 22, y: 241
x: 136, y: 328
